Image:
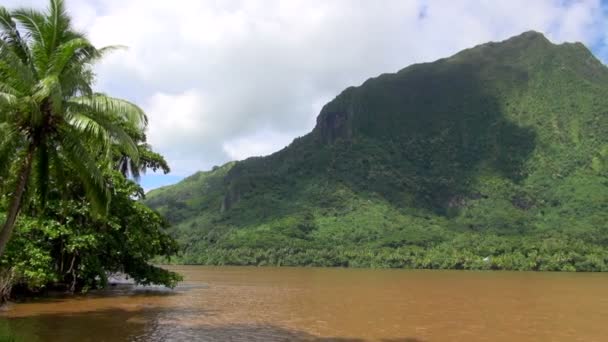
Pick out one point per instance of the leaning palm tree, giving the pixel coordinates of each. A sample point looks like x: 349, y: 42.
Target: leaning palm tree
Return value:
x: 50, y: 118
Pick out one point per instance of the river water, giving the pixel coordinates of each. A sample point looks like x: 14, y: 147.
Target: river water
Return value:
x: 314, y: 304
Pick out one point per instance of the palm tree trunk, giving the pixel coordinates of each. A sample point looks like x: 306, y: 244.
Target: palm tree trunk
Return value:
x: 15, y: 206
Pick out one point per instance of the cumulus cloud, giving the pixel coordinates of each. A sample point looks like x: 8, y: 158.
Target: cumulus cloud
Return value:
x: 230, y: 79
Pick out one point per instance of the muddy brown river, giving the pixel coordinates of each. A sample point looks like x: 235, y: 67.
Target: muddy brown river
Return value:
x: 314, y: 304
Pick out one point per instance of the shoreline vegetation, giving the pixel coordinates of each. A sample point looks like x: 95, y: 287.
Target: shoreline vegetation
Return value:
x: 70, y: 159
x: 463, y: 253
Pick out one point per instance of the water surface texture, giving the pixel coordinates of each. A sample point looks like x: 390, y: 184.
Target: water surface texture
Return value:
x: 311, y: 304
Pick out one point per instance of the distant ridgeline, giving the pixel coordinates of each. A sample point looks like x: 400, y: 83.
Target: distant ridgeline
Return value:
x: 494, y: 158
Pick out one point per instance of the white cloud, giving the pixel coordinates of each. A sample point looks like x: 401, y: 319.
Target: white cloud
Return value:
x: 231, y: 79
x: 260, y: 143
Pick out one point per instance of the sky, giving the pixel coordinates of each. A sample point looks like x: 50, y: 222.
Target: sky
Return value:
x: 227, y: 80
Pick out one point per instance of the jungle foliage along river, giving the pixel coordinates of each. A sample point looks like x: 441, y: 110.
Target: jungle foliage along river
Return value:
x: 314, y: 304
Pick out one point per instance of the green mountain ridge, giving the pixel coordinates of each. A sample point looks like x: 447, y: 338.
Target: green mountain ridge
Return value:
x: 496, y: 157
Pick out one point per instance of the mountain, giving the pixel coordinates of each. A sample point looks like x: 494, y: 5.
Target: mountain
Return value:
x: 496, y: 157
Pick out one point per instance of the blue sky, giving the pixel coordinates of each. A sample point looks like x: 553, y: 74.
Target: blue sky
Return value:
x: 226, y: 80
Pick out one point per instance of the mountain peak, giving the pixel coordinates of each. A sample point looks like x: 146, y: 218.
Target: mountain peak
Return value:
x: 527, y: 39
x: 529, y: 42
x: 529, y: 35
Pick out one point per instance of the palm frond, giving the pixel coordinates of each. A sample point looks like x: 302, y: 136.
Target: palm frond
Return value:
x: 49, y: 89
x: 35, y: 24
x: 111, y: 48
x: 33, y: 21
x: 91, y: 129
x: 76, y: 80
x: 84, y: 57
x: 13, y: 71
x: 11, y: 36
x: 86, y: 168
x: 9, y: 89
x: 27, y: 109
x: 65, y: 52
x: 82, y: 116
x: 130, y: 168
x: 7, y: 102
x: 73, y: 62
x: 124, y: 111
x: 59, y: 24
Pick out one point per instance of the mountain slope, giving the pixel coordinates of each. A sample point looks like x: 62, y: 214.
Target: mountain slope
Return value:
x: 499, y: 151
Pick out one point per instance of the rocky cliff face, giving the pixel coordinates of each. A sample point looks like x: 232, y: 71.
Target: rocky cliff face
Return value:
x: 334, y: 125
x: 336, y: 119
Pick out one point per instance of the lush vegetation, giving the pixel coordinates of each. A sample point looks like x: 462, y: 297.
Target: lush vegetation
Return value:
x: 66, y: 155
x: 494, y: 158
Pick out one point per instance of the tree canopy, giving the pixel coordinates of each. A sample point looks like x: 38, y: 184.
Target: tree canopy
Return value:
x: 65, y: 154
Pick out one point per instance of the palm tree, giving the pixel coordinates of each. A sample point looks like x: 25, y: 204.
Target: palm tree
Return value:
x: 148, y: 159
x: 50, y: 118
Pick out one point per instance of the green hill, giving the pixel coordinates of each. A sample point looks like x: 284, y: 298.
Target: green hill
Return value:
x: 496, y: 157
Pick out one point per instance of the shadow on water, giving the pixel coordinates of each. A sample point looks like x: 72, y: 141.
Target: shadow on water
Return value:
x: 153, y: 325
x: 110, y: 292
